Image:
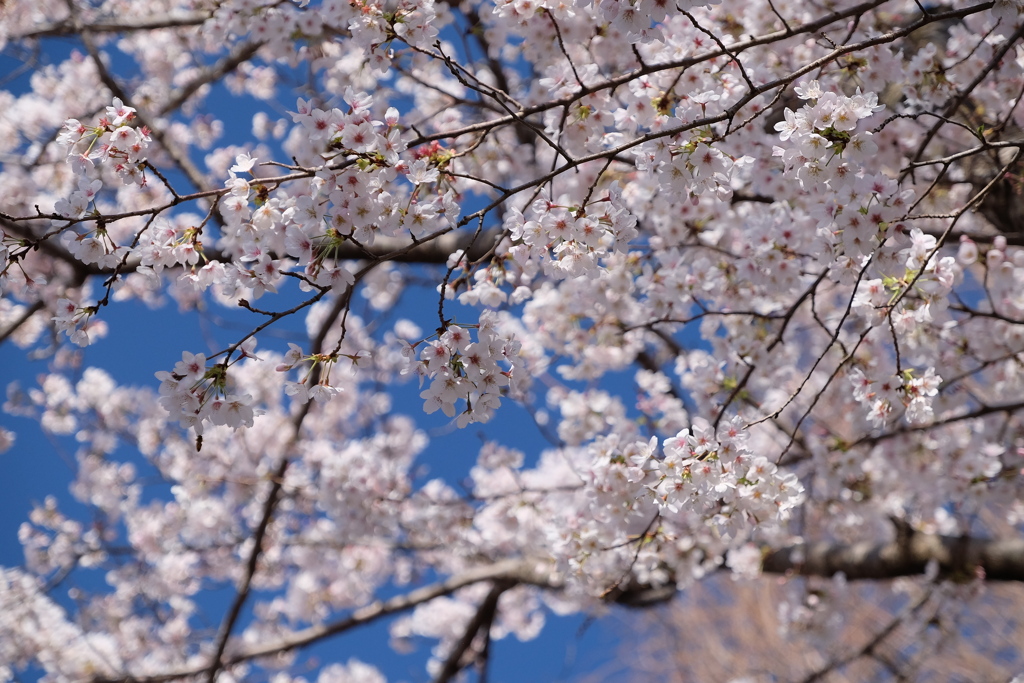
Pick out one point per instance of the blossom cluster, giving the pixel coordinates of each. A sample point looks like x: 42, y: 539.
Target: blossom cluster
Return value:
x: 620, y: 504
x: 315, y: 382
x: 111, y: 140
x: 827, y: 154
x: 77, y: 322
x: 694, y: 168
x: 881, y: 396
x: 460, y: 369
x: 702, y: 465
x: 196, y: 394
x: 568, y: 241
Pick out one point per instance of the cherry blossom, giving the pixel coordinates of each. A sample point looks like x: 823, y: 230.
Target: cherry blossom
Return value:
x: 751, y: 272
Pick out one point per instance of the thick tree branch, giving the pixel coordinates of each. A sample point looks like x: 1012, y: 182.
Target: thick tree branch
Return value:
x: 126, y: 26
x: 210, y: 75
x: 509, y: 572
x: 481, y: 620
x: 269, y: 508
x: 21, y: 320
x: 437, y: 250
x: 998, y: 560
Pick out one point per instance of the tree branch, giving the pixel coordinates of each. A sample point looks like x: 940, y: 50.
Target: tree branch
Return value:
x: 512, y: 572
x: 481, y: 620
x: 999, y: 560
x: 21, y: 320
x: 130, y: 26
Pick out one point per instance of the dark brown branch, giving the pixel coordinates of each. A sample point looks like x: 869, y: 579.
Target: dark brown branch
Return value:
x: 482, y: 619
x: 910, y: 429
x: 50, y: 248
x: 129, y: 26
x: 277, y: 482
x: 21, y: 320
x: 957, y: 557
x: 437, y: 250
x: 273, y: 496
x: 210, y: 75
x: 510, y: 571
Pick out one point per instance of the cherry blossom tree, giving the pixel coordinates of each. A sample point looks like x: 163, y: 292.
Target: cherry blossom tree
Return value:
x: 753, y: 269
